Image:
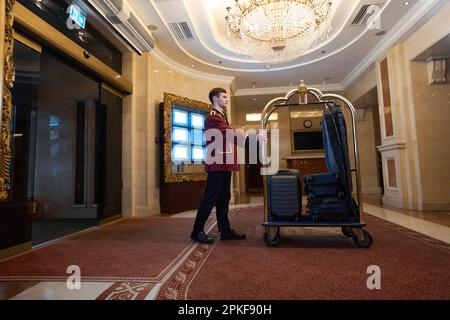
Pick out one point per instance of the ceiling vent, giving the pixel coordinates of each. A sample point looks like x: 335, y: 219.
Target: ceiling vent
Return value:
x: 181, y: 30
x: 367, y: 13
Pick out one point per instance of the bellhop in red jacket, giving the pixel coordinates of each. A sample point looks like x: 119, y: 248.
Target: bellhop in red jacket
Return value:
x: 221, y: 155
x: 221, y: 160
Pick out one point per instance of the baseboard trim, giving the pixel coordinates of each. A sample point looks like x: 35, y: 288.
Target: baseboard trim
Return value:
x: 393, y: 202
x: 8, y: 252
x: 110, y: 219
x: 439, y: 206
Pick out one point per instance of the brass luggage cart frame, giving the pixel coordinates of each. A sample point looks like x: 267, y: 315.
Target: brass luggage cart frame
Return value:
x: 355, y: 230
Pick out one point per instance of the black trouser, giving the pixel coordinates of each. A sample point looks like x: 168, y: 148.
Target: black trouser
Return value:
x: 217, y: 192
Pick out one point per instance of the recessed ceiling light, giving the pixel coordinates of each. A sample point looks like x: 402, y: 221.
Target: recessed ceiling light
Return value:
x: 192, y: 66
x: 156, y: 71
x: 290, y: 84
x: 324, y: 82
x: 380, y: 33
x: 152, y: 27
x: 254, y: 99
x: 169, y: 71
x: 406, y: 3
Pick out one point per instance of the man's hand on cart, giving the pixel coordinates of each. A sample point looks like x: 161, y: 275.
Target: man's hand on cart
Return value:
x: 262, y: 135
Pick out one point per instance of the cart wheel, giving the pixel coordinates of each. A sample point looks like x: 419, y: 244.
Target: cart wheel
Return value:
x: 272, y: 238
x: 363, y: 243
x: 347, y: 231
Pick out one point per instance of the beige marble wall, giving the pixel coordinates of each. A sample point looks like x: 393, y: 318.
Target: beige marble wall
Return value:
x: 402, y: 145
x: 432, y: 113
x: 363, y: 93
x: 368, y: 140
x: 365, y: 83
x: 141, y: 127
x: 421, y: 120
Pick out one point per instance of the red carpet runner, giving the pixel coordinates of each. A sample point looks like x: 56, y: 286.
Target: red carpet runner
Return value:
x: 131, y: 250
x: 313, y: 264
x: 310, y: 263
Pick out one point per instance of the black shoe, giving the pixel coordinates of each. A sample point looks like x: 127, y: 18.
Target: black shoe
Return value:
x: 202, y: 237
x: 232, y: 235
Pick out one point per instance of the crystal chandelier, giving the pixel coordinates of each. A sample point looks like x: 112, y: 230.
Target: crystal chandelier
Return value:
x: 275, y: 31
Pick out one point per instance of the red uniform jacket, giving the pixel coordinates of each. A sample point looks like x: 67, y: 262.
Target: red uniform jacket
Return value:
x: 217, y: 120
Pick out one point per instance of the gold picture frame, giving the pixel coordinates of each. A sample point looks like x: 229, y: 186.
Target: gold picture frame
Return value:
x: 6, y: 106
x: 169, y: 101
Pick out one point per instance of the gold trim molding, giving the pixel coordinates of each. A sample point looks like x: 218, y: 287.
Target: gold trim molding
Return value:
x: 9, y: 252
x: 169, y: 101
x: 27, y: 41
x: 8, y: 76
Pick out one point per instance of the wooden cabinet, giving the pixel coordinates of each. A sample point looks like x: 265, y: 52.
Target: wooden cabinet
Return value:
x: 181, y: 196
x: 307, y: 166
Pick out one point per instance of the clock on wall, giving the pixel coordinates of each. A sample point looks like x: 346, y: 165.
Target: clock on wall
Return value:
x: 307, y: 123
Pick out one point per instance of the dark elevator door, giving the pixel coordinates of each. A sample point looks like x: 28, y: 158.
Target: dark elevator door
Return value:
x: 109, y: 157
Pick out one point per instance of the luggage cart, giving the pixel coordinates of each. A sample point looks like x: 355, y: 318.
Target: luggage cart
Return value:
x: 353, y: 228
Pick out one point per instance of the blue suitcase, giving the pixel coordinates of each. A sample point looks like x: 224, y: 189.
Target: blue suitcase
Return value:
x: 284, y: 196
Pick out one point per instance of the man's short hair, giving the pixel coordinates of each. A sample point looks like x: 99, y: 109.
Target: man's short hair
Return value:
x: 215, y: 93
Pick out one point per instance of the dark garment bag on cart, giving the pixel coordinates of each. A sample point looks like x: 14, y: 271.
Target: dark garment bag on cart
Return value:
x: 330, y: 194
x: 284, y: 195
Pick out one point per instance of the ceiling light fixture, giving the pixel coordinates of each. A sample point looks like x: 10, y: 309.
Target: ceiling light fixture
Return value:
x: 277, y: 31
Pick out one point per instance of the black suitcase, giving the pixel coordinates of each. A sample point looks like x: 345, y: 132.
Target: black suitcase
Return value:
x: 322, y: 184
x: 332, y: 209
x: 284, y: 196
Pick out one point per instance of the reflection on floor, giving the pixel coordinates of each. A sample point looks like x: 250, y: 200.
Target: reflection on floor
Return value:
x: 438, y: 217
x: 49, y: 229
x: 433, y: 224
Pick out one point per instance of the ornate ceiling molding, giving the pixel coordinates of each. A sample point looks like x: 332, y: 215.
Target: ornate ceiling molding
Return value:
x: 182, y: 69
x: 247, y: 62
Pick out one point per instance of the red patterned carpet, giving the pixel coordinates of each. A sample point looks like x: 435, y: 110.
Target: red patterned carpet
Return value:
x: 310, y: 263
x: 314, y: 264
x: 131, y: 249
